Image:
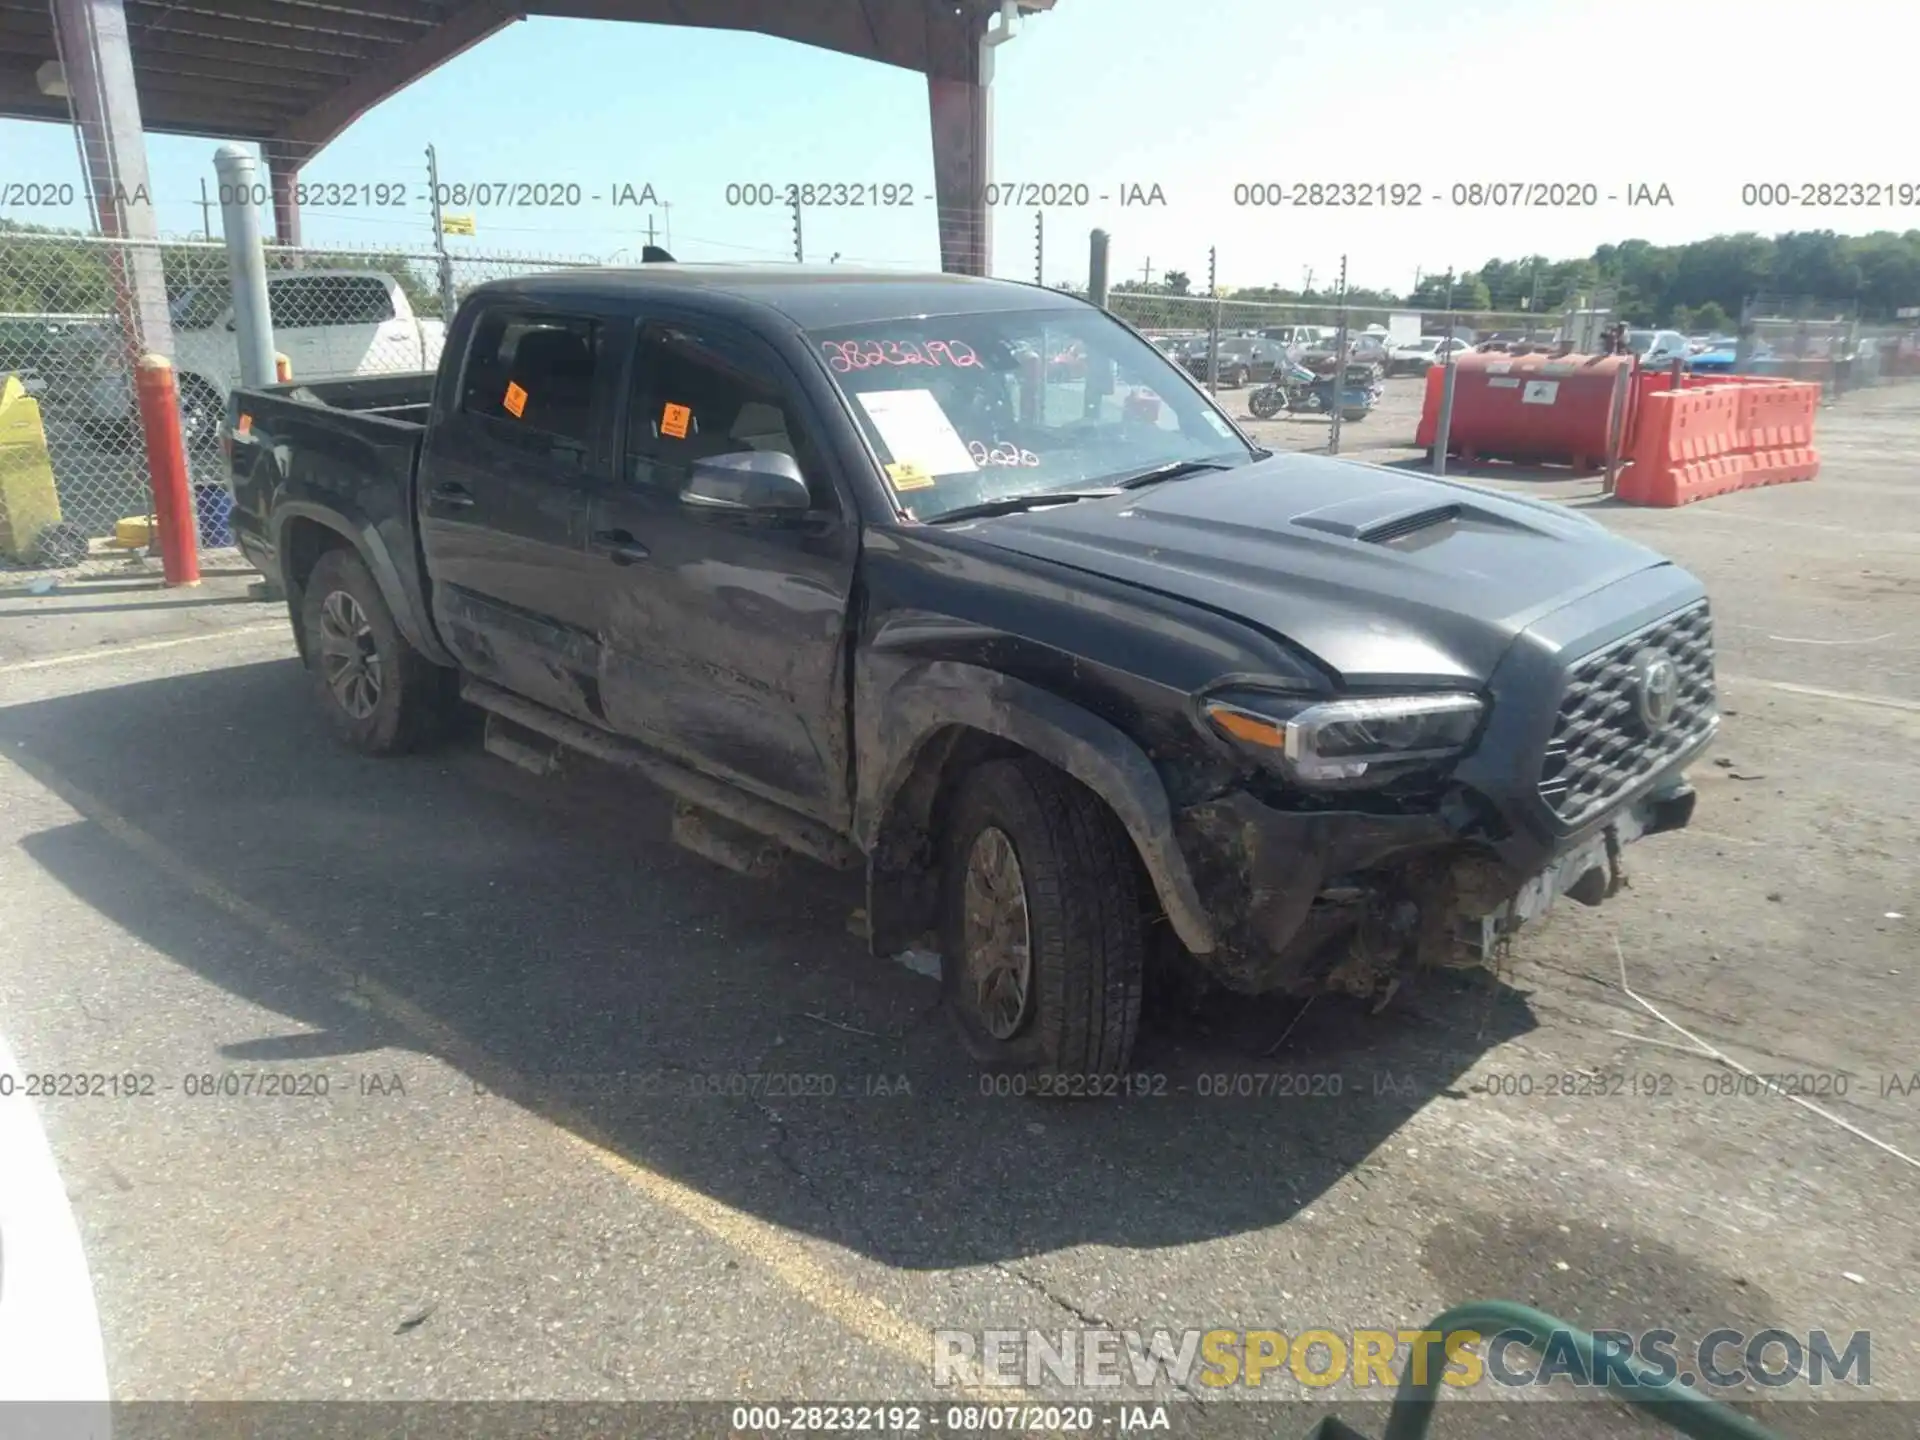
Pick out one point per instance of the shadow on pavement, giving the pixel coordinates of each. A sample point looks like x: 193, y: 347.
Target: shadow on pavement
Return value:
x: 552, y: 924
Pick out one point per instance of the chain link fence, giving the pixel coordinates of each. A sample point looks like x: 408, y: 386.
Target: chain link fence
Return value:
x: 336, y: 312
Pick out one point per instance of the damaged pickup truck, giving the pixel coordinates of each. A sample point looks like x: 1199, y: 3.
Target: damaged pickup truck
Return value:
x: 1071, y: 667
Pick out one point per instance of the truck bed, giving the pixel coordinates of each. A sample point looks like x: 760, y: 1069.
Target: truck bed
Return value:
x: 403, y: 397
x: 348, y: 448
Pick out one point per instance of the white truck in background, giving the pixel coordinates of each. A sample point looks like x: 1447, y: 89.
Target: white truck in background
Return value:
x: 330, y: 324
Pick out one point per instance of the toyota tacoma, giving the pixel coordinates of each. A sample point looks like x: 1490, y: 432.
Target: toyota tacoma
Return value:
x: 1069, y: 666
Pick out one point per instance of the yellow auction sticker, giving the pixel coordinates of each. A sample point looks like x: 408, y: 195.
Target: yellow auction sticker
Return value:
x: 908, y: 477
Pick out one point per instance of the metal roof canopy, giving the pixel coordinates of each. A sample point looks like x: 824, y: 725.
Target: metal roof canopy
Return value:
x: 293, y: 74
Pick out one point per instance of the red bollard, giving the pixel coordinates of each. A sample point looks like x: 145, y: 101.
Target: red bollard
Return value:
x: 167, y: 470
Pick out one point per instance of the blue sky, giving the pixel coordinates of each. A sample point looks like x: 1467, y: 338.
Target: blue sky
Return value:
x: 1194, y: 97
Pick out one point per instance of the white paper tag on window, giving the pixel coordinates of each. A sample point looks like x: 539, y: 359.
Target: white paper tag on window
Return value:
x: 918, y: 431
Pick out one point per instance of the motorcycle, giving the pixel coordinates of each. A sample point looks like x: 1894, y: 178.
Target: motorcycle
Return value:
x: 1296, y: 390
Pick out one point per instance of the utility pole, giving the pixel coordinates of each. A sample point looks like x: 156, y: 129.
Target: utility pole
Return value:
x: 206, y: 210
x: 1533, y: 302
x: 649, y: 227
x: 667, y: 207
x: 799, y: 252
x: 1213, y: 321
x: 1039, y: 247
x: 1146, y: 272
x: 1308, y: 290
x: 1337, y: 401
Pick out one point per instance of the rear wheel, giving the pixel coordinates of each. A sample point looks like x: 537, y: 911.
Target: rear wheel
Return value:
x: 381, y: 696
x: 1265, y: 402
x: 1043, y: 937
x: 1239, y: 380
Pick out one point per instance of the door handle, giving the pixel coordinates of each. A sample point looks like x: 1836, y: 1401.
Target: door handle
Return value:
x: 620, y: 547
x: 455, y: 495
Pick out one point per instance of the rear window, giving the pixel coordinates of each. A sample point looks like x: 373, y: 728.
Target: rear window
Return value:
x: 533, y: 372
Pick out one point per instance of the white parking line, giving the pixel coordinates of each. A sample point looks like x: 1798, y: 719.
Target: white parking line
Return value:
x: 111, y: 652
x: 50, y: 1347
x: 1881, y: 702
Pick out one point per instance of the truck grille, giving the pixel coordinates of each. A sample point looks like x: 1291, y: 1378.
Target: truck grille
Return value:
x: 1603, y: 743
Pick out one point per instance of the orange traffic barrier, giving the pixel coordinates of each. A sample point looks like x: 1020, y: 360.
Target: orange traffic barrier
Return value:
x: 1709, y: 439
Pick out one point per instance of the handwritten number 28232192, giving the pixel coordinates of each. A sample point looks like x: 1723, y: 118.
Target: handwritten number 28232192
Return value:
x: 846, y: 355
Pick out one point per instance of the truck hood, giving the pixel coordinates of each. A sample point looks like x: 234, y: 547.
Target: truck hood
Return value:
x: 1384, y: 576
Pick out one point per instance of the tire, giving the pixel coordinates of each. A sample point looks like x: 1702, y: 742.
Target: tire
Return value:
x: 1240, y: 378
x: 391, y: 698
x: 1265, y: 403
x: 1085, y: 932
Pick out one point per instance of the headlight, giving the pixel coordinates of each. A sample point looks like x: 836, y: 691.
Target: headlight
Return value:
x: 1345, y: 742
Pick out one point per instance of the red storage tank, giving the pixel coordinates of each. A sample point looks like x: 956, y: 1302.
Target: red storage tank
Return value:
x: 1529, y: 407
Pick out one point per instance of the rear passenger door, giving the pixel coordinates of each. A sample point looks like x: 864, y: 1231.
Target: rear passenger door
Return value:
x: 365, y: 335
x: 504, y: 486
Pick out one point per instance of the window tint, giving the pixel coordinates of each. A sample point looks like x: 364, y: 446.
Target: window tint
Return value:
x: 299, y: 303
x: 700, y: 393
x: 361, y: 300
x: 534, y: 372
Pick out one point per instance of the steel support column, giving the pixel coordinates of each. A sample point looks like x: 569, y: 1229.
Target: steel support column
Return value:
x: 962, y: 115
x: 97, y: 66
x: 284, y: 161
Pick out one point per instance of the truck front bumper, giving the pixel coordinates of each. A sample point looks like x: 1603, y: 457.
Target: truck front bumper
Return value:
x: 1285, y: 889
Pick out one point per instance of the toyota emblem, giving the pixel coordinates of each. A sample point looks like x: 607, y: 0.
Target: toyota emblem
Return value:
x: 1656, y: 688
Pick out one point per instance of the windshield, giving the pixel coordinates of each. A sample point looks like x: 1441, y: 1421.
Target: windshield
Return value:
x: 961, y: 411
x: 1640, y: 341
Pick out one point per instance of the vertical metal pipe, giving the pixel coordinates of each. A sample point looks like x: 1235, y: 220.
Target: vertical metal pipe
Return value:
x: 239, y: 183
x: 1097, y: 268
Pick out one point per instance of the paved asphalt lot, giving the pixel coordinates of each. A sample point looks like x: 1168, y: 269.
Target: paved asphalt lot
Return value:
x: 508, y: 987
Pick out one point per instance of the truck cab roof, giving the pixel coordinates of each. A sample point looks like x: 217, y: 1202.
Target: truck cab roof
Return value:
x: 808, y: 295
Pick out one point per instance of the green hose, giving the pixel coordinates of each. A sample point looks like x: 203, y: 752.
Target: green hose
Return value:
x: 1687, y: 1411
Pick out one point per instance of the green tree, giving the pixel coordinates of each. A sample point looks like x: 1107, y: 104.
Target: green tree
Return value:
x: 1178, y: 282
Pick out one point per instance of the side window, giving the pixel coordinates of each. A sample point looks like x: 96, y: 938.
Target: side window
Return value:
x: 533, y: 373
x: 362, y: 300
x: 698, y: 393
x: 298, y: 302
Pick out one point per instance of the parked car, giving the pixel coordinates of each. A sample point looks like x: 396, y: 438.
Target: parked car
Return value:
x: 1361, y: 350
x: 1297, y: 337
x: 1416, y: 357
x: 1065, y: 686
x: 328, y: 323
x: 1658, y: 348
x: 1242, y: 360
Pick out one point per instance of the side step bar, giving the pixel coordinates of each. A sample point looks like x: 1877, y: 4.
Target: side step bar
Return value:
x: 796, y: 832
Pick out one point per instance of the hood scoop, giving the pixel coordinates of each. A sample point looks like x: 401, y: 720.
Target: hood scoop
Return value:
x: 1382, y: 518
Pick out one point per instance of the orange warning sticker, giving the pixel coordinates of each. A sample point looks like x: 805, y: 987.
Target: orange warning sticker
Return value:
x: 674, y: 421
x: 245, y: 427
x: 908, y: 477
x: 515, y: 400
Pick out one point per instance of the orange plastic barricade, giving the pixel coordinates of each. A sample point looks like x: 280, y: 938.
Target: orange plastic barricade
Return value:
x: 1709, y: 439
x: 1686, y: 447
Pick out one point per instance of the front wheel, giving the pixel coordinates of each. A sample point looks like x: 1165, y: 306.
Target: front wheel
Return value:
x: 1265, y: 403
x: 1043, y: 942
x: 382, y: 696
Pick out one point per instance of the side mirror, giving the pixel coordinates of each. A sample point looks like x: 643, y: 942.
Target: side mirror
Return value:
x: 749, y: 480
